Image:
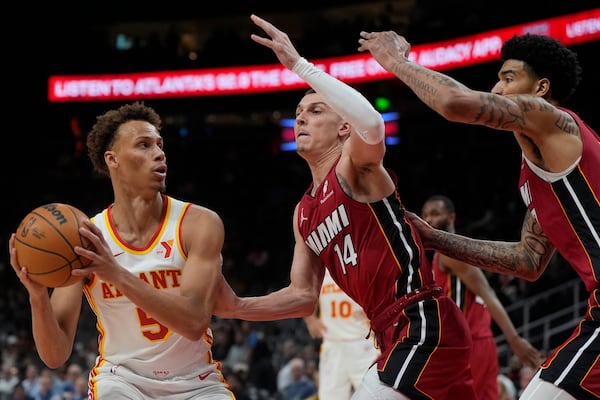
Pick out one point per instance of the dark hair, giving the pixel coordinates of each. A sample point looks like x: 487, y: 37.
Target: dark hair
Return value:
x: 448, y: 204
x: 546, y: 57
x: 104, y: 131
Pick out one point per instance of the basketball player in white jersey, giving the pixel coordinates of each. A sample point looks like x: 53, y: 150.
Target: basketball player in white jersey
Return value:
x: 347, y: 349
x: 152, y: 281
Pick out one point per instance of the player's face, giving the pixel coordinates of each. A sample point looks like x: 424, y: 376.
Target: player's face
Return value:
x: 317, y: 125
x: 513, y: 78
x: 436, y: 214
x: 138, y: 155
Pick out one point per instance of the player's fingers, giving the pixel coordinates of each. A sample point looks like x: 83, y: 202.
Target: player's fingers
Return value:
x: 13, y: 252
x: 82, y: 251
x: 96, y: 240
x: 93, y: 228
x: 256, y: 19
x: 263, y: 23
x: 268, y: 27
x: 20, y: 271
x: 362, y: 45
x: 94, y: 234
x: 81, y: 272
x: 261, y: 40
x: 534, y: 360
x: 14, y: 262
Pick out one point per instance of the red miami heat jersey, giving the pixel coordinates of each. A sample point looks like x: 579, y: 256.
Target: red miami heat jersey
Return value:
x: 477, y: 315
x: 370, y: 250
x: 567, y: 208
x: 374, y: 255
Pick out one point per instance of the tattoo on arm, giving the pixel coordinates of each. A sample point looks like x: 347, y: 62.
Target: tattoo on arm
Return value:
x: 536, y: 245
x: 499, y: 113
x: 424, y: 82
x: 563, y: 121
x: 526, y: 259
x: 566, y: 124
x: 494, y: 256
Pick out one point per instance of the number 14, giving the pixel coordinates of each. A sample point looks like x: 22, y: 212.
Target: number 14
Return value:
x: 349, y: 255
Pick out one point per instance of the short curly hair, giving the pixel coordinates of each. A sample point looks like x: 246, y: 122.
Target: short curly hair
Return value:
x: 102, y: 136
x: 546, y: 57
x: 448, y: 204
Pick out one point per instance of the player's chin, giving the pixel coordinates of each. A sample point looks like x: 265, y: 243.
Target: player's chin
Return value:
x: 301, y: 148
x: 160, y: 186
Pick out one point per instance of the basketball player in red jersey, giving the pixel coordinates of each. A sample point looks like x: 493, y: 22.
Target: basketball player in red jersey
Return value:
x: 351, y: 221
x: 470, y: 290
x: 559, y: 183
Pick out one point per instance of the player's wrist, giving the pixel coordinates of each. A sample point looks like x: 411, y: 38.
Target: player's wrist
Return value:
x: 512, y: 337
x: 303, y: 67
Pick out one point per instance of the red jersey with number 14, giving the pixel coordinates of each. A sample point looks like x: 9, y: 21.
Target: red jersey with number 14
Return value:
x: 370, y: 250
x: 374, y: 255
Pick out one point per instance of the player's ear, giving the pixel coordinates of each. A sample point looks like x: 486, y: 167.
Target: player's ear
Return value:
x: 110, y: 158
x: 543, y: 87
x: 345, y: 129
x: 452, y: 218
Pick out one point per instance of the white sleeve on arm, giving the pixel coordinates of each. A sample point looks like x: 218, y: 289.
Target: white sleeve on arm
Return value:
x: 345, y: 100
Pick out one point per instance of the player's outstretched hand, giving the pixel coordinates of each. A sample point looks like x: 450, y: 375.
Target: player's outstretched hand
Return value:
x: 387, y: 47
x: 528, y: 354
x: 279, y: 42
x: 424, y: 229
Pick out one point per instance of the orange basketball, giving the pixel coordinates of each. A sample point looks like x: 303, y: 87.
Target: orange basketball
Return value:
x: 45, y: 242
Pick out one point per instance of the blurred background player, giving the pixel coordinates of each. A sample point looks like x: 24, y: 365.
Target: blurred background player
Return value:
x: 347, y: 348
x: 469, y: 288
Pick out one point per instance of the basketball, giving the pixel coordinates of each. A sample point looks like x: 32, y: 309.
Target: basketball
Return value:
x: 45, y: 244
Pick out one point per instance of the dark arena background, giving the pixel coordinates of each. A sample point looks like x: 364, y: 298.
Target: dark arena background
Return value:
x: 225, y: 151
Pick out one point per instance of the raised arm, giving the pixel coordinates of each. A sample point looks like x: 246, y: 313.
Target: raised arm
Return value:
x: 344, y: 99
x: 546, y: 134
x: 455, y: 101
x: 445, y: 95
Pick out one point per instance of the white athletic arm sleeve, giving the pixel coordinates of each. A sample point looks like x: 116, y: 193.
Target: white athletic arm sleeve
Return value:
x: 345, y: 100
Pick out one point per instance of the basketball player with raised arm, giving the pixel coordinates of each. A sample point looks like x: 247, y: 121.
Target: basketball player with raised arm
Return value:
x: 559, y: 183
x: 351, y: 222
